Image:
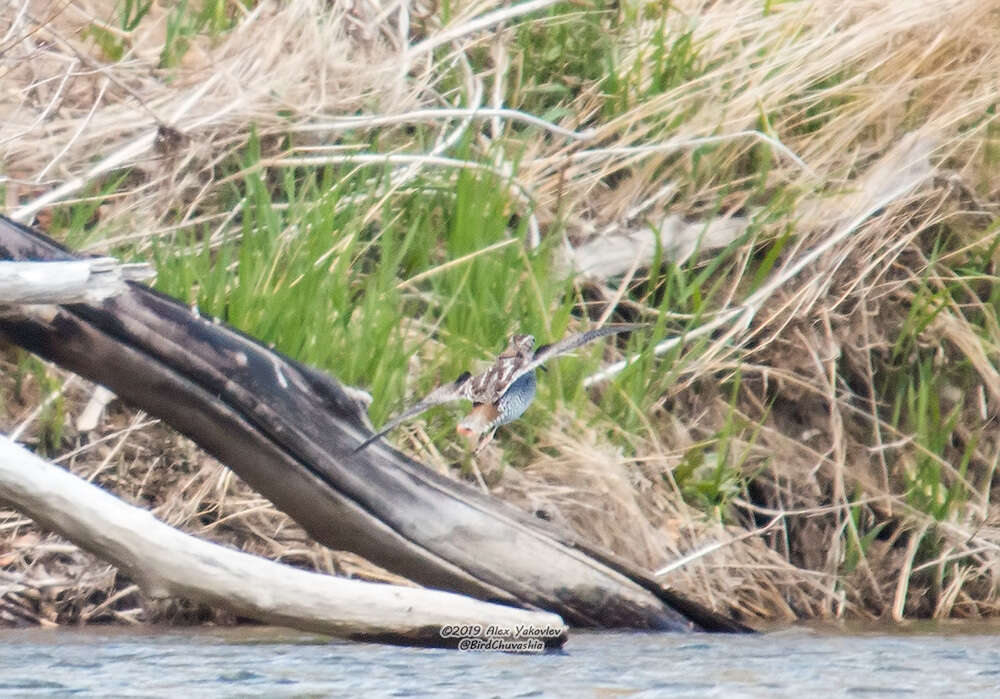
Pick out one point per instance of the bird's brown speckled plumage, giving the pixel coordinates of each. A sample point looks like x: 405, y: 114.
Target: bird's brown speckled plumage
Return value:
x: 487, y: 389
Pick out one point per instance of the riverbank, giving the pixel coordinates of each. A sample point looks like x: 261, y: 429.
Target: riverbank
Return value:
x: 821, y: 443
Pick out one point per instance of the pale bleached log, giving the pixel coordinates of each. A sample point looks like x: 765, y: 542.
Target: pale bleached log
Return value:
x: 71, y: 281
x: 165, y: 562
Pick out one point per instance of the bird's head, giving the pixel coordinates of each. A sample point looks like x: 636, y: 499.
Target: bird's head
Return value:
x: 519, y: 346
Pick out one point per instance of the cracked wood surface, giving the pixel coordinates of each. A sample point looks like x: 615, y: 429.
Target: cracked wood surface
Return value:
x: 290, y: 431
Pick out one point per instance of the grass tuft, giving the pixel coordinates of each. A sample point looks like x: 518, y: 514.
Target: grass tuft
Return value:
x: 797, y: 197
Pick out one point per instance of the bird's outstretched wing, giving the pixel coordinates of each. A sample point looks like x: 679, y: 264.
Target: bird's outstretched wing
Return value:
x: 568, y: 344
x: 490, y: 385
x: 442, y: 394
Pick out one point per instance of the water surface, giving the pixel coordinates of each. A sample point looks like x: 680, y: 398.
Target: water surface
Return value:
x: 954, y: 660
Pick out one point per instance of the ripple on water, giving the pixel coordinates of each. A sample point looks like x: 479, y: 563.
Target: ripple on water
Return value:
x: 268, y: 662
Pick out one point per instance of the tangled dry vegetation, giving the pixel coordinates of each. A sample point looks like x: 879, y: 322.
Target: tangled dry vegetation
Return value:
x: 826, y: 440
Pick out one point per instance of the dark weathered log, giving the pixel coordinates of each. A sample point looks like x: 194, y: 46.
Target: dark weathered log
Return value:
x: 290, y: 432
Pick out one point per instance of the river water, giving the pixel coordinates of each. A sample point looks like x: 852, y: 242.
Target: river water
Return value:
x: 954, y: 660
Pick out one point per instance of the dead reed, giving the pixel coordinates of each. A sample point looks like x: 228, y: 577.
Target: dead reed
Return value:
x: 801, y: 197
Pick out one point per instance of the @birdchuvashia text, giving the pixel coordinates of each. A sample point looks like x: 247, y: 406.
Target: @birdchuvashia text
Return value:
x: 495, y: 637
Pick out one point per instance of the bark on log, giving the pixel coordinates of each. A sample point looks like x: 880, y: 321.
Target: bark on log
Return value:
x: 168, y: 563
x: 290, y: 432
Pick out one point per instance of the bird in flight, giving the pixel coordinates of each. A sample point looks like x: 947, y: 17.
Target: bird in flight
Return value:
x: 503, y: 392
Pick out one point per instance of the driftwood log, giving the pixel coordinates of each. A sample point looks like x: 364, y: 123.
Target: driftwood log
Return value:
x: 66, y: 282
x: 165, y: 562
x: 290, y: 432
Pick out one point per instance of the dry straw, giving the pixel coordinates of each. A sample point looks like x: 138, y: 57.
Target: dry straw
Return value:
x: 902, y: 95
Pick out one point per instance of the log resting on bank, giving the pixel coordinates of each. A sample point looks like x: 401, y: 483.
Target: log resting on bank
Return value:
x: 290, y: 432
x: 168, y: 563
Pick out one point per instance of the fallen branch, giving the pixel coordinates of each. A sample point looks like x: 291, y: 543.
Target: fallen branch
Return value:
x: 900, y: 172
x: 66, y: 282
x: 168, y: 563
x: 291, y: 432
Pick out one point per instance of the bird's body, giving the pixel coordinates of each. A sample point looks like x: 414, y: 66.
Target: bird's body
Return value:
x: 486, y: 417
x: 502, y: 393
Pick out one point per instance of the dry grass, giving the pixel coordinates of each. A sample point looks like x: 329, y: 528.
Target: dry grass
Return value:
x: 46, y: 580
x: 872, y: 123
